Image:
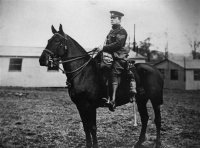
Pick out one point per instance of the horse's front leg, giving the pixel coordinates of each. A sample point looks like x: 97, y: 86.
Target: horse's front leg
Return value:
x: 88, y: 116
x: 86, y: 128
x: 93, y: 127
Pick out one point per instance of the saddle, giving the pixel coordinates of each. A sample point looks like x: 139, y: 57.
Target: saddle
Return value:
x: 126, y: 79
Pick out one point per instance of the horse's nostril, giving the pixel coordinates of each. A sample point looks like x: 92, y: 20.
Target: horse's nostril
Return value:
x: 42, y: 62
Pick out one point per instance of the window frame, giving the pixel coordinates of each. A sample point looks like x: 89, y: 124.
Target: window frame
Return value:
x: 173, y: 78
x: 15, y: 64
x: 197, y: 78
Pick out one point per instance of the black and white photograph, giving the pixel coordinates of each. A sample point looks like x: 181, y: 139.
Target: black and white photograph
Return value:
x: 99, y: 73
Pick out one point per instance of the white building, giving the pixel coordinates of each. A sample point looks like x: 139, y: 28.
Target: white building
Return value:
x: 20, y: 67
x: 180, y: 74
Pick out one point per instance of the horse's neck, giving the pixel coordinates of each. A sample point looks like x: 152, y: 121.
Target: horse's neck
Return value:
x: 75, y: 51
x: 81, y: 71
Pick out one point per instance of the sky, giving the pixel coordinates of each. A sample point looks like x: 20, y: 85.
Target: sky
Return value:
x: 28, y: 22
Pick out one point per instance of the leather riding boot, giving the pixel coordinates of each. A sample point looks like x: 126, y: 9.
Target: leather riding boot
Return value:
x: 107, y: 97
x: 105, y: 87
x: 112, y: 103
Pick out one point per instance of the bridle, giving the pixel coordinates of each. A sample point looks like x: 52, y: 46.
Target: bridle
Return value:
x: 54, y: 61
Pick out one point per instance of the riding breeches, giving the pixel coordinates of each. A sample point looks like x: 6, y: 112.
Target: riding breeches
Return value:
x: 117, y: 68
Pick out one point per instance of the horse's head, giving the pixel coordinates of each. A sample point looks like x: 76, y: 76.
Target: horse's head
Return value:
x: 56, y: 47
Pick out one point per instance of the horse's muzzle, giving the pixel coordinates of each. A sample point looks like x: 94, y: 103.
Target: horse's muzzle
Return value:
x: 43, y: 61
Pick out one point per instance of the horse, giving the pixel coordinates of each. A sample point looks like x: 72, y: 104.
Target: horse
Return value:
x: 83, y: 78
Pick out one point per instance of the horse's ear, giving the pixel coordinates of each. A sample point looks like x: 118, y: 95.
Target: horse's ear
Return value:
x: 53, y: 29
x: 61, y: 29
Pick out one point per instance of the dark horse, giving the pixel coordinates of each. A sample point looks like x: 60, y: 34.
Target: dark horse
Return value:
x: 82, y: 73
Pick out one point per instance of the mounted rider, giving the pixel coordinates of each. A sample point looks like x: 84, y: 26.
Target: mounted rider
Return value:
x: 115, y: 45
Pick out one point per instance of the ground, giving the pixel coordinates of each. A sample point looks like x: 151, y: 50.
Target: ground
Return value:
x: 48, y: 118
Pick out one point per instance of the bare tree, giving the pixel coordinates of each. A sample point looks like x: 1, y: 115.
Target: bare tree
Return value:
x: 144, y: 48
x: 152, y: 56
x: 194, y: 42
x: 166, y: 46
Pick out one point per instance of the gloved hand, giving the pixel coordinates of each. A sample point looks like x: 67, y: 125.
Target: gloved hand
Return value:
x: 98, y: 49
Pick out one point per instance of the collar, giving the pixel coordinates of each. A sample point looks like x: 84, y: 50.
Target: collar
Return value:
x: 116, y: 26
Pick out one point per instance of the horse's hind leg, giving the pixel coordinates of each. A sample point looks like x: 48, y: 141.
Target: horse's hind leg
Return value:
x: 157, y: 121
x: 141, y: 103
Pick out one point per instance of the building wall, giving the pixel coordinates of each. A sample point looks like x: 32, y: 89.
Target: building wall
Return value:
x: 168, y: 83
x: 31, y: 75
x: 190, y: 83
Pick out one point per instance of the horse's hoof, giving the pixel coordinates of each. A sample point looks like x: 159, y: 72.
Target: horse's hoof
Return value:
x: 140, y: 141
x: 157, y: 145
x: 89, y: 145
x: 137, y: 145
x: 95, y: 146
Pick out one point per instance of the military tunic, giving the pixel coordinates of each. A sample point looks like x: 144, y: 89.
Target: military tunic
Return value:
x: 115, y: 45
x: 115, y: 42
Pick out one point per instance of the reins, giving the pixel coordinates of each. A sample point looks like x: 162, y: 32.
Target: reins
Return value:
x: 56, y: 60
x: 78, y: 70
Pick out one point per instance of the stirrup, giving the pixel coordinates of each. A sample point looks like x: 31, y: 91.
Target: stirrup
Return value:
x: 112, y: 106
x: 107, y: 100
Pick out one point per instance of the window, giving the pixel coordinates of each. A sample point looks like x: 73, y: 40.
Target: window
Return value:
x: 197, y: 75
x: 174, y: 74
x: 162, y: 71
x: 15, y: 64
x: 54, y: 68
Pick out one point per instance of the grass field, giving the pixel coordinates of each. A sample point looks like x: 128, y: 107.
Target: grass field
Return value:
x: 44, y: 118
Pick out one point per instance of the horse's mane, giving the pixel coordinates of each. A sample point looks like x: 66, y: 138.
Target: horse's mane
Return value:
x: 77, y: 45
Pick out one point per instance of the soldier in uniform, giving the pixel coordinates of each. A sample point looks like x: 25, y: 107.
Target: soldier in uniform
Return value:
x: 115, y: 45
